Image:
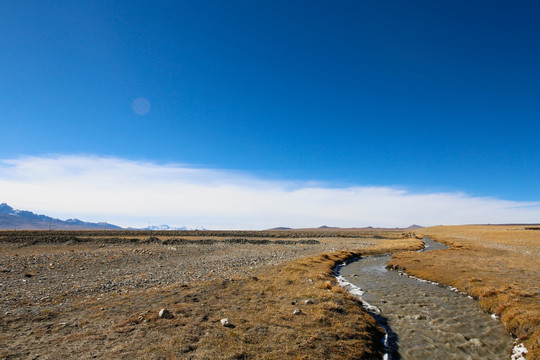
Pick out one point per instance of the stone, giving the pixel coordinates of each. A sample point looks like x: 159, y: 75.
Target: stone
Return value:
x: 225, y: 322
x: 165, y: 314
x: 297, y: 312
x: 476, y: 342
x: 308, y: 301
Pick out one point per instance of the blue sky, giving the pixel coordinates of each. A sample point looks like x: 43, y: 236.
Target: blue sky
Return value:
x: 426, y: 97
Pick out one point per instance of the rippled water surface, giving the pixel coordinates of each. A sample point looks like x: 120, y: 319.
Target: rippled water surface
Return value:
x: 427, y: 321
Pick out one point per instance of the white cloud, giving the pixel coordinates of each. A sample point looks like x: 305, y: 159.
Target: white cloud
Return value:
x: 135, y: 193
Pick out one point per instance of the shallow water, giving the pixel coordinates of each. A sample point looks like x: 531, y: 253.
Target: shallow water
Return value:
x: 425, y: 320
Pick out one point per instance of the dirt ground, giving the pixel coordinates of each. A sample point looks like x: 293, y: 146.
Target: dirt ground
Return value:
x: 85, y: 295
x: 498, y: 265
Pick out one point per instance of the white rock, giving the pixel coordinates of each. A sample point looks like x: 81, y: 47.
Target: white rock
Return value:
x: 297, y: 312
x: 225, y: 322
x: 165, y: 314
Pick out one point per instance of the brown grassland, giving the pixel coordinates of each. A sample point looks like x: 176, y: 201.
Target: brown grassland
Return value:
x: 88, y: 294
x: 498, y: 265
x: 83, y: 323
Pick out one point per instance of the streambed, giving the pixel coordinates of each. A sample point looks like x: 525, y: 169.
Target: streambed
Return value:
x: 424, y: 320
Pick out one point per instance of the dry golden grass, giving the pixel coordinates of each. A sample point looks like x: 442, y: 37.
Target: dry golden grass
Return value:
x: 498, y: 265
x: 261, y: 311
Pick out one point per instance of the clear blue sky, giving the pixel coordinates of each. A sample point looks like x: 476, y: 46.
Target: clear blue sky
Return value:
x: 428, y: 95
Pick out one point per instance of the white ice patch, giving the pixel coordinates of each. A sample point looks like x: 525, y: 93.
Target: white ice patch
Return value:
x: 451, y: 288
x: 519, y: 351
x: 354, y: 290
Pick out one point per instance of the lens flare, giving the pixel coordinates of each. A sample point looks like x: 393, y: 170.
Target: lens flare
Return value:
x: 140, y: 106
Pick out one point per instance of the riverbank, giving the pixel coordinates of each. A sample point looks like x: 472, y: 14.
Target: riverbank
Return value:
x: 100, y: 298
x: 498, y: 265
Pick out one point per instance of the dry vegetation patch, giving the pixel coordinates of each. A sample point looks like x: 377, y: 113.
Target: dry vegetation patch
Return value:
x: 257, y: 286
x: 498, y: 265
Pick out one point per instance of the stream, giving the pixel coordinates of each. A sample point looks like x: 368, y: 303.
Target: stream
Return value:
x: 424, y: 320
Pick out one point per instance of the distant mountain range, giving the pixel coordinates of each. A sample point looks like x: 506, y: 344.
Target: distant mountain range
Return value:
x: 166, y: 227
x: 13, y: 219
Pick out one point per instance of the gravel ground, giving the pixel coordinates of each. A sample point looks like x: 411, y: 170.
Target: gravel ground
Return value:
x: 56, y: 275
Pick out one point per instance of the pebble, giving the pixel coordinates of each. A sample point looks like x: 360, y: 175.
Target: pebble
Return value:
x: 476, y: 342
x: 297, y: 312
x: 225, y: 322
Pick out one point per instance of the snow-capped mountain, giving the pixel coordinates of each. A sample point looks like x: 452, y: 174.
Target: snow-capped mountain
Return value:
x: 14, y: 219
x: 167, y: 227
